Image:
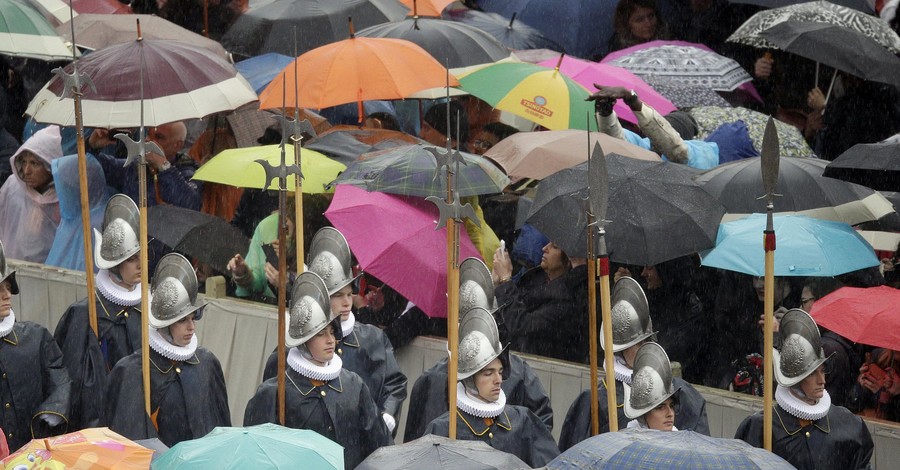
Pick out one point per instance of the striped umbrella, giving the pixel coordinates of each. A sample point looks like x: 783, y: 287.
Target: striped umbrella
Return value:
x: 24, y: 32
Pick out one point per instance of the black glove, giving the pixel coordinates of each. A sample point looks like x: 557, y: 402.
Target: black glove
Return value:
x: 604, y: 106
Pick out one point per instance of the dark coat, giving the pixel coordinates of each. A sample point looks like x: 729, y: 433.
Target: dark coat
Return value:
x: 188, y: 399
x: 839, y: 441
x: 429, y: 396
x: 175, y: 184
x: 515, y: 431
x: 691, y: 414
x: 341, y: 410
x: 34, y: 381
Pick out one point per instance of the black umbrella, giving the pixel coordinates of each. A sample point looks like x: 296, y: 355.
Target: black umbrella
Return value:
x: 874, y: 165
x: 860, y: 5
x: 206, y: 237
x: 452, y: 44
x: 512, y: 33
x: 436, y: 452
x: 656, y: 211
x: 346, y: 143
x: 270, y: 27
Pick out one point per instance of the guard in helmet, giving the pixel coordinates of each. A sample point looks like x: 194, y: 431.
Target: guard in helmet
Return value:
x: 482, y: 413
x: 632, y: 327
x: 187, y: 387
x: 118, y: 300
x: 320, y: 394
x: 364, y: 349
x: 651, y: 399
x: 807, y: 430
x: 35, y: 387
x: 520, y: 384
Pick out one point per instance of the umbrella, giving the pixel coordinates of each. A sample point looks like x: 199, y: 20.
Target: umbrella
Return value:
x: 863, y: 315
x: 588, y: 73
x: 96, y: 448
x: 685, y: 65
x: 260, y: 70
x: 412, y: 170
x: 24, y: 32
x: 394, y: 239
x: 346, y: 143
x: 657, y: 213
x: 249, y: 123
x: 425, y: 7
x: 861, y: 5
x: 261, y: 446
x: 709, y: 118
x: 540, y: 154
x: 544, y: 96
x: 806, y: 247
x: 102, y: 7
x: 874, y: 165
x: 449, y: 42
x: 803, y: 189
x: 292, y: 27
x: 665, y: 450
x: 512, y: 33
x: 96, y: 31
x: 686, y: 96
x: 210, y: 239
x: 238, y: 167
x: 437, y: 452
x: 816, y: 12
x: 180, y: 81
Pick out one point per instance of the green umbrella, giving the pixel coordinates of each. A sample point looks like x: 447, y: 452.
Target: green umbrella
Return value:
x: 262, y: 446
x: 24, y: 32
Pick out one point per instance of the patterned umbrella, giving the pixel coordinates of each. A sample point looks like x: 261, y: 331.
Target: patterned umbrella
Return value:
x: 709, y: 118
x: 687, y: 96
x: 24, y: 32
x: 685, y: 65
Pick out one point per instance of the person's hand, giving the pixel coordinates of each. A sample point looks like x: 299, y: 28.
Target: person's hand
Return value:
x: 157, y: 161
x: 815, y: 99
x: 762, y: 69
x: 776, y: 322
x: 892, y: 385
x: 610, y: 92
x: 100, y: 138
x: 620, y: 273
x: 865, y: 381
x: 502, y: 270
x: 237, y: 267
x: 271, y: 273
x: 375, y: 299
x: 887, y: 265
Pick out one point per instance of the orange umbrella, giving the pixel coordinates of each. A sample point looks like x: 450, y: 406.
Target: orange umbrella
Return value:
x: 426, y: 7
x: 97, y: 448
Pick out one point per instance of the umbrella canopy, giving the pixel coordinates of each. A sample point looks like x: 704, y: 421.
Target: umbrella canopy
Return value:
x: 101, y: 7
x: 437, y: 452
x: 24, y: 32
x: 861, y: 5
x: 397, y: 243
x: 249, y: 123
x: 816, y: 12
x: 449, y: 42
x: 346, y: 143
x: 540, y: 154
x: 806, y: 247
x: 649, y: 202
x: 238, y: 167
x: 411, y: 170
x: 665, y: 450
x: 709, y: 118
x: 107, y: 450
x: 863, y: 315
x: 261, y: 446
x: 260, y: 70
x: 180, y: 81
x: 685, y: 65
x: 802, y: 187
x: 687, y: 96
x: 210, y: 239
x: 543, y: 96
x: 511, y: 32
x: 425, y: 7
x: 271, y: 26
x: 874, y: 165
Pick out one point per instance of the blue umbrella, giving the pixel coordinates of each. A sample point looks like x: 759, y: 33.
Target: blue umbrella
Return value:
x: 806, y: 247
x: 664, y: 450
x: 260, y: 70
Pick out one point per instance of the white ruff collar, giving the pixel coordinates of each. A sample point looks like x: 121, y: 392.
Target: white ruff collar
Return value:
x: 347, y: 326
x: 622, y: 371
x: 7, y: 324
x: 476, y: 406
x: 170, y: 351
x: 306, y: 368
x: 116, y: 293
x: 637, y: 424
x: 799, y: 408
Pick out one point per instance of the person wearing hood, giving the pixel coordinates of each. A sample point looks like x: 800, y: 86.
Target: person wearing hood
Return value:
x: 29, y: 207
x: 320, y: 394
x: 807, y: 429
x: 651, y: 400
x: 187, y: 387
x: 35, y: 388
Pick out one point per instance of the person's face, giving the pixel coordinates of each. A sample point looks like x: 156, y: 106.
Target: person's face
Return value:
x: 662, y: 418
x: 552, y: 259
x: 342, y: 302
x: 182, y: 331
x: 488, y: 381
x: 321, y: 346
x: 130, y: 271
x: 807, y: 299
x: 813, y: 385
x: 167, y: 138
x: 759, y: 285
x: 483, y: 142
x: 5, y: 298
x: 432, y: 135
x: 34, y: 173
x: 651, y: 276
x: 642, y: 23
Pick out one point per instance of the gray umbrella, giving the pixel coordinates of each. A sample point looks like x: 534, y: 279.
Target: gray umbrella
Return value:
x: 687, y: 96
x: 512, y: 33
x: 874, y: 165
x: 439, y: 453
x: 686, y: 66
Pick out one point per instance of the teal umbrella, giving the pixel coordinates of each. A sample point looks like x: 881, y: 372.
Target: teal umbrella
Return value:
x: 24, y: 32
x: 262, y: 446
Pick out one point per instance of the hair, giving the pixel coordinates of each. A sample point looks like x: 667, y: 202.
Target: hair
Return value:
x: 387, y: 120
x: 822, y: 286
x: 499, y: 129
x: 622, y: 36
x: 436, y: 117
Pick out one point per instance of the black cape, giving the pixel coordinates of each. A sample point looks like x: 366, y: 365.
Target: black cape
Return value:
x: 90, y: 361
x: 34, y: 381
x: 839, y: 441
x: 429, y: 396
x: 187, y: 399
x: 515, y: 431
x: 691, y: 414
x: 341, y: 410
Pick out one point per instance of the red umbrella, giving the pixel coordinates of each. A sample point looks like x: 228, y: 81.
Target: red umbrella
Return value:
x: 863, y: 315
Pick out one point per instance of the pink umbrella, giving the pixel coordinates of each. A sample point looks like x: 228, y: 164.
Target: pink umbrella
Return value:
x: 588, y: 73
x: 394, y: 239
x: 868, y: 316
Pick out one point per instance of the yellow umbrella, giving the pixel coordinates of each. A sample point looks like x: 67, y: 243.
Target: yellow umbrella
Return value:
x: 238, y: 167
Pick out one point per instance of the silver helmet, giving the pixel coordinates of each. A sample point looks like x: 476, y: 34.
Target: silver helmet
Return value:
x: 329, y: 257
x: 310, y: 309
x: 6, y: 274
x: 119, y: 240
x: 479, y: 342
x: 174, y: 291
x: 801, y: 348
x: 651, y: 381
x: 476, y: 287
x: 630, y: 315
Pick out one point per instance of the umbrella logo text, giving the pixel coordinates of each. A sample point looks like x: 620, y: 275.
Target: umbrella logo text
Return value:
x: 537, y: 107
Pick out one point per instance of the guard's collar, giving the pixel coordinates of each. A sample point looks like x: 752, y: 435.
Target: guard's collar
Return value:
x: 116, y: 293
x: 637, y: 424
x: 476, y: 406
x: 306, y: 368
x: 799, y: 408
x: 347, y: 325
x: 622, y: 371
x: 7, y: 324
x: 171, y: 351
